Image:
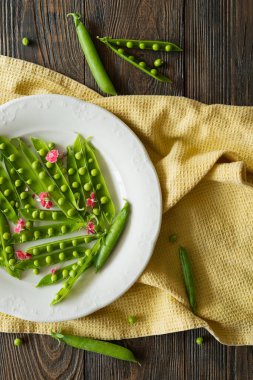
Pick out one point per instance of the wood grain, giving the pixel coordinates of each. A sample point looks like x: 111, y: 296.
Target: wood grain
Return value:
x: 215, y: 67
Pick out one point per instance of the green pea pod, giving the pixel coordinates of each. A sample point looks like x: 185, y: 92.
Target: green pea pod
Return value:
x: 75, y: 241
x: 74, y: 178
x: 49, y: 185
x: 23, y: 196
x: 7, y: 209
x: 97, y: 346
x: 112, y: 236
x: 46, y: 231
x: 50, y: 258
x: 20, y: 164
x: 7, y: 248
x: 61, y: 274
x: 96, y: 67
x: 6, y: 186
x: 188, y: 278
x: 143, y: 44
x: 83, y: 264
x: 54, y: 170
x: 36, y: 214
x: 133, y: 61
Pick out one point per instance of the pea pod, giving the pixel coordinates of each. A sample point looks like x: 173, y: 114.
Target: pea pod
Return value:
x: 188, y: 278
x: 75, y: 241
x: 142, y: 44
x: 97, y: 346
x: 83, y: 264
x: 54, y: 170
x: 20, y: 164
x: 24, y: 198
x: 46, y: 231
x: 51, y: 258
x: 7, y: 209
x: 7, y: 247
x: 112, y: 237
x: 6, y: 186
x: 36, y: 214
x: 74, y: 178
x: 61, y: 274
x: 133, y: 61
x: 49, y: 185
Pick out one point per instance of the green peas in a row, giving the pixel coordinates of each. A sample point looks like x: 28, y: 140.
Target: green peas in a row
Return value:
x: 142, y: 44
x: 35, y: 214
x: 60, y: 275
x: 7, y: 208
x: 74, y: 178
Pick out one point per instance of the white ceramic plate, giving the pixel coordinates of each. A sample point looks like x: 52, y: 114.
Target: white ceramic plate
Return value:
x: 130, y: 174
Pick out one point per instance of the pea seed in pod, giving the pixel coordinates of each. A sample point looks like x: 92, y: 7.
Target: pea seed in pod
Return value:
x: 35, y: 164
x: 87, y: 186
x: 6, y: 236
x: 121, y: 51
x: 87, y: 252
x: 168, y: 48
x: 98, y: 187
x: 153, y: 71
x: 18, y: 183
x: 71, y: 212
x: 80, y: 262
x: 57, y: 176
x: 48, y: 259
x: 36, y: 271
x: 12, y: 203
x: 51, y: 188
x: 90, y: 160
x: 20, y: 171
x: 42, y: 215
x: 35, y: 214
x: 155, y: 47
x: 78, y: 156
x: 72, y: 273
x: 158, y: 62
x: 54, y: 277
x: 75, y: 253
x: 2, y: 146
x: 36, y: 263
x: 63, y: 229
x: 74, y: 267
x: 26, y: 206
x: 12, y: 261
x: 28, y: 225
x: 42, y: 152
x: 49, y: 165
x: 71, y: 171
x: 49, y: 248
x: 64, y: 188
x: 62, y: 256
x: 1, y: 180
x: 142, y: 45
x: 62, y: 245
x: 74, y: 243
x: 36, y: 234
x: 12, y: 157
x: 23, y: 195
x: 65, y: 273
x: 129, y: 44
x: 65, y: 285
x: 23, y: 237
x: 142, y: 64
x: 131, y: 57
x: 54, y: 215
x: 9, y: 249
x: 50, y: 231
x: 51, y: 145
x: 77, y: 195
x: 96, y: 211
x: 81, y: 170
x: 29, y: 181
x: 94, y: 172
x: 104, y: 200
x: 75, y: 185
x: 42, y: 175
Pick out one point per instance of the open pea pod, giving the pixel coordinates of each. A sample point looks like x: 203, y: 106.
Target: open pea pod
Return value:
x: 7, y: 209
x: 47, y: 259
x: 83, y: 264
x: 7, y: 248
x: 59, y: 275
x: 55, y: 193
x: 35, y: 214
x: 46, y: 231
x: 72, y: 242
x: 93, y: 180
x: 74, y: 178
x: 6, y: 186
x: 23, y: 196
x: 54, y: 170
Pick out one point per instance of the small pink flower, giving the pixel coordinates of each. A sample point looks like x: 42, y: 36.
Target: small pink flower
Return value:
x: 53, y: 270
x: 33, y: 196
x: 20, y: 226
x: 52, y: 156
x: 23, y: 255
x: 91, y: 228
x: 43, y: 195
x: 91, y: 201
x: 49, y: 204
x: 44, y: 200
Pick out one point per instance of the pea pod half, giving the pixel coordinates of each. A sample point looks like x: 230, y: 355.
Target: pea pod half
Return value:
x: 6, y: 186
x: 7, y: 209
x: 60, y: 275
x: 36, y: 214
x: 7, y: 247
x: 74, y: 178
x: 188, y: 278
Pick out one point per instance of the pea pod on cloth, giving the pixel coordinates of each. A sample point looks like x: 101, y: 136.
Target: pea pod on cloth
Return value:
x: 83, y: 264
x: 111, y: 238
x: 7, y: 247
x: 97, y: 346
x: 59, y: 275
x: 143, y: 44
x: 74, y: 178
x: 188, y: 278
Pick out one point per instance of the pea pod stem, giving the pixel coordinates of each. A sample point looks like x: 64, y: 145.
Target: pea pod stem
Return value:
x: 188, y: 278
x: 97, y: 69
x: 97, y: 346
x: 144, y: 68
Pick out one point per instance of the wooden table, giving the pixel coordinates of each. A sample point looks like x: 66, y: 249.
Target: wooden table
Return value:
x: 215, y: 67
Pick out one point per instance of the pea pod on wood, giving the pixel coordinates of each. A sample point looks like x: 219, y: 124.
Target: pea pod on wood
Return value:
x: 188, y: 278
x: 7, y: 248
x: 165, y: 46
x: 36, y: 214
x: 46, y: 231
x: 49, y: 185
x: 74, y: 178
x: 112, y: 237
x: 83, y: 264
x: 138, y: 64
x: 61, y: 274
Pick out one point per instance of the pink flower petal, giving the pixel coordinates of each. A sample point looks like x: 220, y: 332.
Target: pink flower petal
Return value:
x: 53, y: 270
x: 49, y: 204
x: 90, y: 228
x: 23, y: 255
x: 52, y: 156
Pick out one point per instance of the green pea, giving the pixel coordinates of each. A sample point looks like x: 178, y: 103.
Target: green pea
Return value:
x: 56, y: 297
x: 62, y: 245
x: 173, y: 238
x: 7, y: 192
x: 121, y: 51
x: 18, y: 183
x: 142, y: 45
x: 75, y: 253
x: 71, y: 212
x: 25, y: 41
x: 98, y: 187
x: 168, y: 48
x: 72, y: 273
x: 65, y: 285
x: 9, y: 249
x: 36, y: 271
x: 74, y: 243
x: 199, y: 340
x: 42, y: 175
x: 87, y: 239
x: 64, y: 188
x: 96, y: 211
x: 36, y: 263
x: 23, y: 195
x: 36, y: 234
x: 57, y: 176
x: 74, y: 267
x: 35, y: 251
x: 49, y: 247
x: 12, y: 157
x: 65, y: 273
x: 155, y: 47
x: 142, y: 64
x: 48, y: 259
x: 42, y: 152
x: 51, y: 145
x: 61, y: 201
x: 153, y: 71
x: 12, y: 203
x: 94, y: 172
x: 63, y: 229
x: 78, y: 155
x: 23, y: 237
x: 129, y: 44
x: 71, y: 171
x: 131, y: 57
x: 75, y: 185
x: 12, y: 261
x: 2, y: 146
x: 5, y: 210
x: 62, y: 256
x: 158, y: 62
x: 50, y: 231
x: 132, y: 319
x: 12, y: 171
x: 118, y: 43
x: 6, y: 236
x: 104, y: 200
x: 51, y: 188
x: 42, y: 214
x: 87, y: 252
x: 81, y: 170
x: 29, y: 181
x: 18, y: 342
x: 27, y: 205
x: 2, y: 180
x: 80, y: 262
x: 35, y: 164
x: 87, y: 186
x: 35, y: 214
x: 90, y: 160
x: 20, y: 171
x: 54, y: 277
x: 49, y: 164
x: 28, y: 224
x: 77, y: 195
x: 64, y: 170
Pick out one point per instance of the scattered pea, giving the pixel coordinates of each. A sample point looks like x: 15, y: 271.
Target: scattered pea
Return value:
x: 65, y: 273
x: 35, y: 251
x: 173, y: 238
x: 155, y: 47
x: 158, y: 62
x: 71, y: 171
x: 129, y: 44
x: 142, y: 45
x: 132, y: 319
x: 131, y: 57
x: 7, y: 192
x: 81, y: 170
x: 54, y: 277
x: 199, y: 340
x: 18, y: 342
x: 62, y: 256
x: 48, y: 259
x: 94, y: 172
x: 25, y: 41
x: 142, y: 64
x: 75, y: 253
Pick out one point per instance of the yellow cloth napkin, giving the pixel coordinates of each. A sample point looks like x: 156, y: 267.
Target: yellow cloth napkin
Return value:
x: 204, y: 159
